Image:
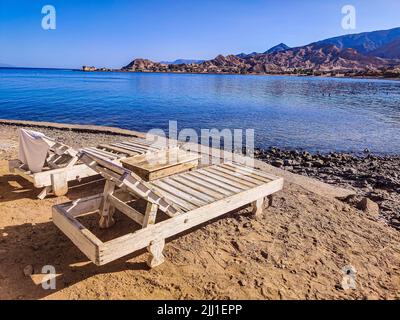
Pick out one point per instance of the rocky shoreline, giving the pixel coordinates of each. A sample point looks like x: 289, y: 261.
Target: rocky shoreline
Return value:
x: 369, y: 175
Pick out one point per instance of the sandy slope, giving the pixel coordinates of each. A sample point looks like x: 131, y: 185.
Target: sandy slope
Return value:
x: 297, y: 249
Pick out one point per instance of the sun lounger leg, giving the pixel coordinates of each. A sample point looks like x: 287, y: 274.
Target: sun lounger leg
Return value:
x: 44, y: 193
x: 269, y: 199
x: 258, y: 207
x: 150, y: 215
x: 156, y: 249
x: 59, y: 183
x: 106, y: 209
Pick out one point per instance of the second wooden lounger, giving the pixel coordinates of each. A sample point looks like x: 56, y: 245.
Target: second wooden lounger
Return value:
x: 187, y: 200
x: 62, y: 164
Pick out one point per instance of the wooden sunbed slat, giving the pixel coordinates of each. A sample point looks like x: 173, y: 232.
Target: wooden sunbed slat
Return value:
x: 126, y: 209
x: 225, y: 181
x: 216, y: 183
x: 180, y: 202
x: 97, y: 152
x: 191, y: 191
x: 90, y: 152
x: 120, y: 150
x: 253, y: 170
x: 247, y: 172
x: 241, y: 175
x: 206, y: 184
x: 143, y: 142
x: 182, y: 179
x: 231, y: 177
x: 179, y: 193
x: 138, y: 146
x: 132, y: 148
x: 110, y: 155
x: 111, y: 151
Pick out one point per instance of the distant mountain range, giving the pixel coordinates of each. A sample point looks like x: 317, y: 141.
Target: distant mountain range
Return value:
x: 280, y: 47
x: 182, y: 61
x: 277, y: 48
x: 374, y: 53
x: 374, y: 44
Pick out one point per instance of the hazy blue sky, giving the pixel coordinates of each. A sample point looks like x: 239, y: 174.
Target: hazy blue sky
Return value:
x: 112, y: 33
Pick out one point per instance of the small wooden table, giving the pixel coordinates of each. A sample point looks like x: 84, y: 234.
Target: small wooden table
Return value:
x: 161, y: 164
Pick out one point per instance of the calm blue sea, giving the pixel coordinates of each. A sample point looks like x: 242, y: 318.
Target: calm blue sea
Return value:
x: 318, y: 114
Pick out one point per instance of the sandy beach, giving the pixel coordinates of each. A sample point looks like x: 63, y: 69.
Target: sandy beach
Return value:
x: 296, y: 250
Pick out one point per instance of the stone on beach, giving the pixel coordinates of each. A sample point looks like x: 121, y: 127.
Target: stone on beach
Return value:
x: 28, y: 270
x: 368, y: 206
x: 369, y: 175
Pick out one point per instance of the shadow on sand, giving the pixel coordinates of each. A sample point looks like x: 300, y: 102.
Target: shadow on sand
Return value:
x: 41, y: 244
x: 14, y: 187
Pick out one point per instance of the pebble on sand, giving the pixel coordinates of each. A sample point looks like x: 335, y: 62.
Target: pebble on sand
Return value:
x: 369, y: 206
x: 28, y: 270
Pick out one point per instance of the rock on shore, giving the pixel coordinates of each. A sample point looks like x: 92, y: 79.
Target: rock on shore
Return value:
x: 374, y: 177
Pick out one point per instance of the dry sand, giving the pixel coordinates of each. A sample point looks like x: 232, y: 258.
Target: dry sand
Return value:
x: 296, y: 250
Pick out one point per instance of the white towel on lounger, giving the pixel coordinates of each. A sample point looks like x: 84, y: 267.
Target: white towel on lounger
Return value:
x: 33, y: 149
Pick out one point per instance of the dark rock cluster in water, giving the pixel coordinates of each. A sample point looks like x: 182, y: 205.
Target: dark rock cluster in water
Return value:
x: 372, y: 176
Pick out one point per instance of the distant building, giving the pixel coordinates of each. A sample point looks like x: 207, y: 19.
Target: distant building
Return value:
x: 87, y: 68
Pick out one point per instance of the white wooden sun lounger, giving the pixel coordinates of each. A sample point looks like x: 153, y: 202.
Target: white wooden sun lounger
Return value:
x: 62, y: 164
x: 185, y: 200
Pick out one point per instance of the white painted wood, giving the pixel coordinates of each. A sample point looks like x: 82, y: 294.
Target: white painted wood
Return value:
x: 156, y: 248
x: 185, y: 205
x: 225, y: 182
x: 106, y: 209
x: 82, y: 206
x: 248, y: 172
x: 121, y: 151
x: 127, y: 244
x: 160, y: 184
x: 170, y: 195
x: 253, y: 170
x: 59, y: 183
x: 217, y: 185
x: 80, y: 171
x: 44, y: 193
x: 102, y: 153
x: 257, y: 207
x: 241, y: 175
x: 230, y: 177
x: 150, y: 215
x: 63, y: 157
x: 129, y: 146
x: 132, y: 181
x: 193, y: 192
x: 185, y: 181
x: 77, y: 233
x: 126, y: 209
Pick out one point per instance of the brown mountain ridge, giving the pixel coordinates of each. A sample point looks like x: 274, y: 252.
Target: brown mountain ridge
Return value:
x: 374, y: 53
